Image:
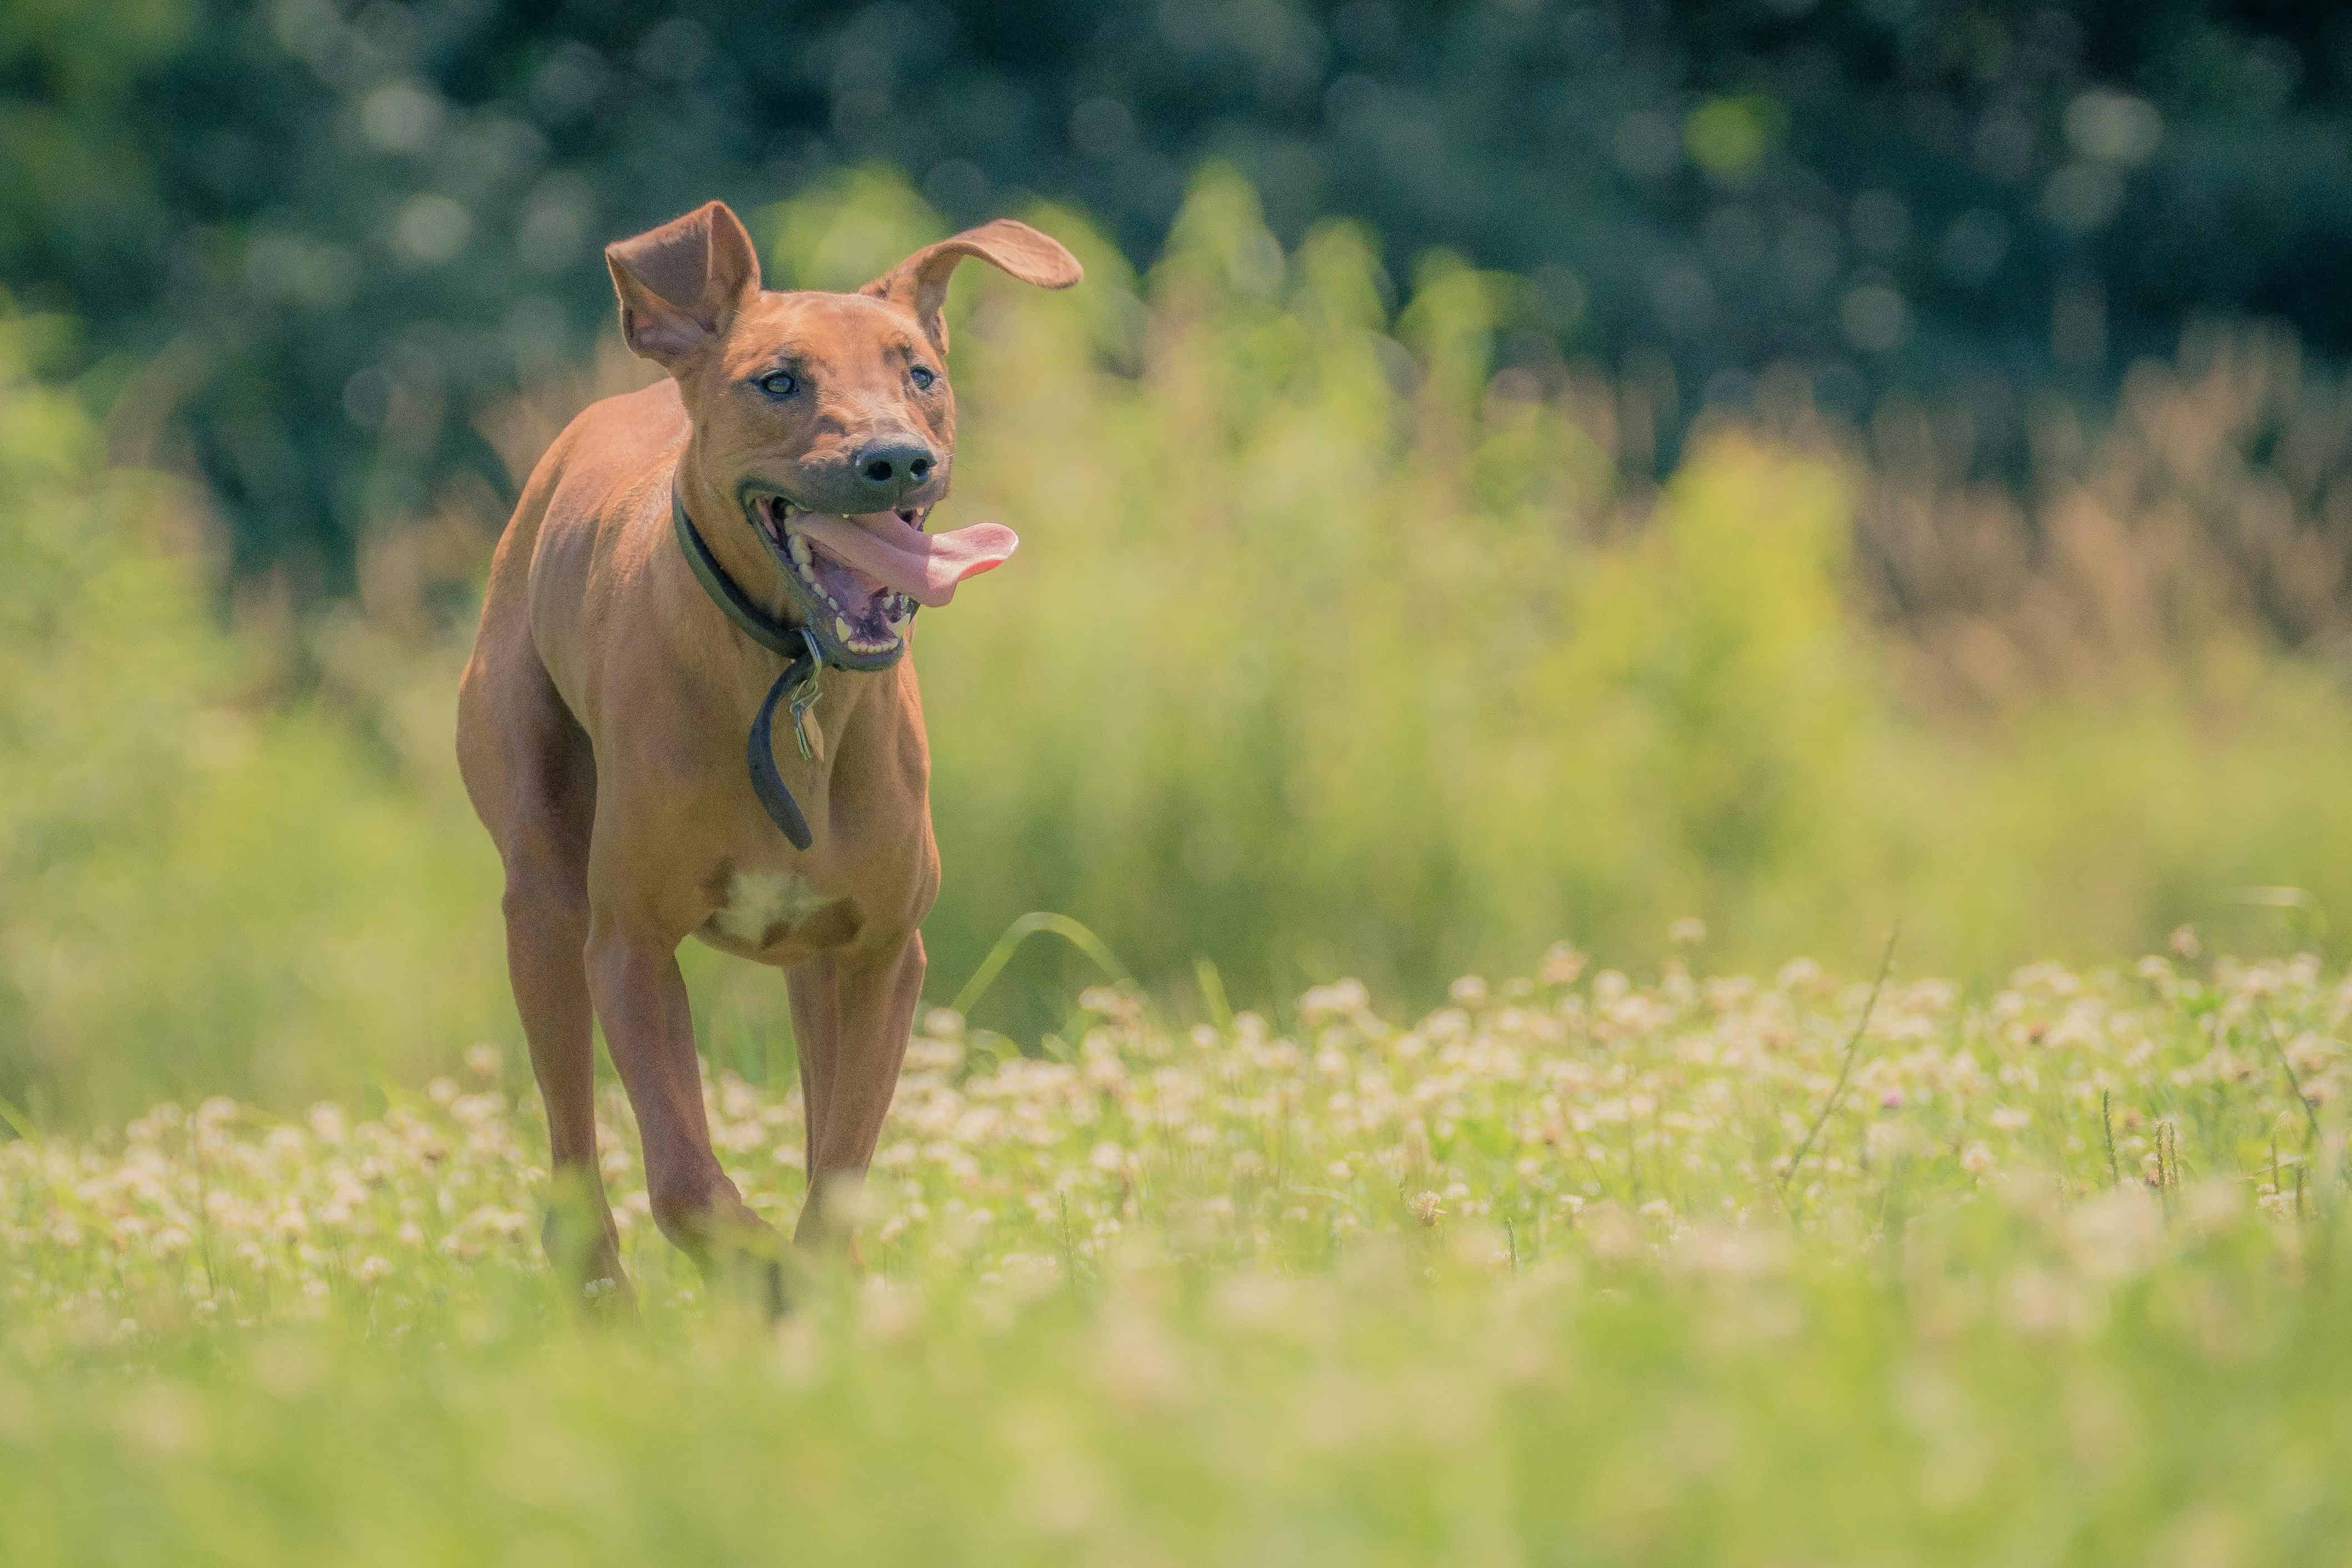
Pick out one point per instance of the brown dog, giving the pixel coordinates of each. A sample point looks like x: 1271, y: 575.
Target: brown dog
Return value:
x: 801, y: 439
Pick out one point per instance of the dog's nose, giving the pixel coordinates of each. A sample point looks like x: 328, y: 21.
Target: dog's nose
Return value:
x: 889, y: 471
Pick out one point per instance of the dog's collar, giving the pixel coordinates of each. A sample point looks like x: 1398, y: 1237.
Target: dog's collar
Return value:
x: 804, y: 661
x: 775, y: 635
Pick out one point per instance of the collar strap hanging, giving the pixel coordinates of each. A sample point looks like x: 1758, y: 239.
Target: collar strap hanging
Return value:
x: 804, y: 662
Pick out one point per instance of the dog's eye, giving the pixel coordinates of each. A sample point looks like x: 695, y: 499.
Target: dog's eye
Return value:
x: 922, y: 378
x: 778, y: 383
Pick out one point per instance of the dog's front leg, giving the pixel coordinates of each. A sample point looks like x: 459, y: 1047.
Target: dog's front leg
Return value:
x: 852, y: 1015
x: 641, y: 997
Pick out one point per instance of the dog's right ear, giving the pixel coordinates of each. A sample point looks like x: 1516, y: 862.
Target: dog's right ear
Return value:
x: 919, y: 283
x: 680, y: 284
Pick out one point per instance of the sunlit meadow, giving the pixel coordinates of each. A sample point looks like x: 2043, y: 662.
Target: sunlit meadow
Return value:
x: 1341, y: 641
x: 1339, y: 646
x: 1702, y: 1269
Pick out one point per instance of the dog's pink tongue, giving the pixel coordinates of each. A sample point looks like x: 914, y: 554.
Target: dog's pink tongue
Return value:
x: 926, y: 567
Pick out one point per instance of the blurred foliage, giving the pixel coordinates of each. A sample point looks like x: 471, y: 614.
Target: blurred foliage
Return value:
x: 2217, y: 498
x: 1332, y: 648
x: 1329, y: 649
x: 317, y: 239
x: 201, y: 888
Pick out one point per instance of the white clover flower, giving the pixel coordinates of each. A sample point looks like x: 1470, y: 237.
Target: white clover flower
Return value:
x: 1561, y: 965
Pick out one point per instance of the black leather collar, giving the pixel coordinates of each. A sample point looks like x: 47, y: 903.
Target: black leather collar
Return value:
x: 804, y: 661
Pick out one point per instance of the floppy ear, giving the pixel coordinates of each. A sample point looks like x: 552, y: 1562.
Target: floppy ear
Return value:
x: 680, y: 284
x: 921, y: 282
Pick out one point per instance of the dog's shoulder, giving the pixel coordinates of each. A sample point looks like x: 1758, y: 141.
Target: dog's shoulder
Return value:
x: 605, y: 483
x: 599, y: 473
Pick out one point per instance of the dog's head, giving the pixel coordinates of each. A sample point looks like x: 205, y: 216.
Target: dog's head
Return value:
x: 827, y: 418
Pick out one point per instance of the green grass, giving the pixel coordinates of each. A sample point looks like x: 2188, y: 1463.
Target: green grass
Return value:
x: 2054, y: 1276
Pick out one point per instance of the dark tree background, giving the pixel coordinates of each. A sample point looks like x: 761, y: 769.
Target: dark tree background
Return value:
x: 323, y: 233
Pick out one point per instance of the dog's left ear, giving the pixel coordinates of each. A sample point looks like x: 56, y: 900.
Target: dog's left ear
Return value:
x: 919, y: 283
x: 679, y: 285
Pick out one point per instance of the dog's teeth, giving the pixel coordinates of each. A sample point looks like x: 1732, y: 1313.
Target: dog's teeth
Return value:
x: 800, y: 548
x: 841, y: 628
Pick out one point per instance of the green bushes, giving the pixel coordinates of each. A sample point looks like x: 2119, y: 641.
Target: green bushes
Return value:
x: 358, y: 226
x: 1327, y: 651
x: 195, y: 893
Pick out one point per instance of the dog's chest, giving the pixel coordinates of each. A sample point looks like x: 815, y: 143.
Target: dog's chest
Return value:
x: 759, y: 909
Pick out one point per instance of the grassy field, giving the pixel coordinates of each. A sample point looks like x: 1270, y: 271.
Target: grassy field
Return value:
x: 1347, y: 639
x: 1574, y: 1270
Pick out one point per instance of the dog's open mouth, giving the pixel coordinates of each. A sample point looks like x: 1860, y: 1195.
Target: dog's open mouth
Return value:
x: 864, y: 574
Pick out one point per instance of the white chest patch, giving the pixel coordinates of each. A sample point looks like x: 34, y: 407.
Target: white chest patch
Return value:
x: 759, y: 901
